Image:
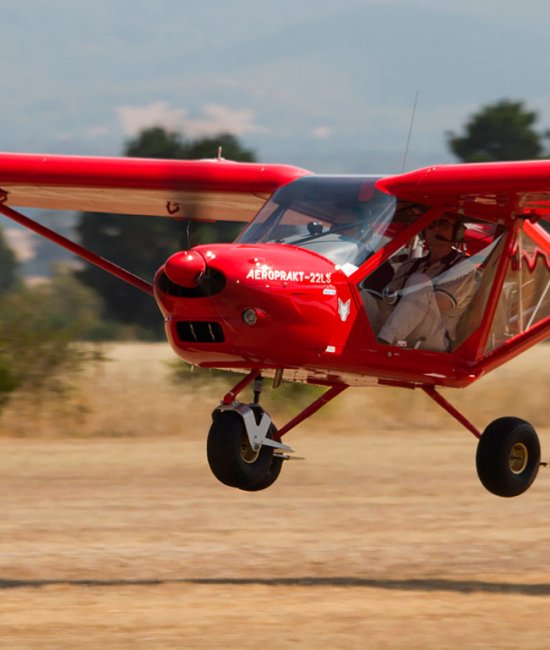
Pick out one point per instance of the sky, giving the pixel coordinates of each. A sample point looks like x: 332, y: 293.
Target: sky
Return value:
x: 327, y: 85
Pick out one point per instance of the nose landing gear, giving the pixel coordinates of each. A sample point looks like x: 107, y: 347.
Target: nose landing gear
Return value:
x: 241, y: 448
x: 244, y: 447
x: 237, y: 462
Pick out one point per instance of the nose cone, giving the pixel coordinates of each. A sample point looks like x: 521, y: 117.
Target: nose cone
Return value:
x: 185, y: 268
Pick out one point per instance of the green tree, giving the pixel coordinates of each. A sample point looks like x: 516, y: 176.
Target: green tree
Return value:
x: 504, y: 130
x: 157, y: 142
x: 38, y: 329
x: 142, y: 244
x: 8, y: 266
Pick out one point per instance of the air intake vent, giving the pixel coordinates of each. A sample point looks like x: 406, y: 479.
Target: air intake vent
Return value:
x: 212, y: 282
x: 200, y: 331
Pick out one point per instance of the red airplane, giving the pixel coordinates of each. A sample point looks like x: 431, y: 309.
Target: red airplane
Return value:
x: 420, y: 280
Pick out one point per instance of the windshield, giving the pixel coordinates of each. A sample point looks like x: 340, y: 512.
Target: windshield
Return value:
x: 343, y: 218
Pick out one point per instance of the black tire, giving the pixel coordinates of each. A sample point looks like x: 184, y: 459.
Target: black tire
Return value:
x: 231, y: 458
x: 272, y: 473
x: 508, y: 457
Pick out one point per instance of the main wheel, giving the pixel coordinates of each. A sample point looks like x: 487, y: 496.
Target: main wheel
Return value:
x: 508, y: 456
x: 232, y: 459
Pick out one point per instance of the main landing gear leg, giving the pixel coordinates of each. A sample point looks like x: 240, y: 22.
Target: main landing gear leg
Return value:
x: 508, y: 451
x: 244, y: 448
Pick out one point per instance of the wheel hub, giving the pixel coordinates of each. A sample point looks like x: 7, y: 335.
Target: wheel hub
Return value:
x: 248, y: 454
x: 519, y: 457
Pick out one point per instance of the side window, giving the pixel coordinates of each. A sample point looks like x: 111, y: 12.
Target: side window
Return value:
x: 432, y: 293
x: 525, y: 296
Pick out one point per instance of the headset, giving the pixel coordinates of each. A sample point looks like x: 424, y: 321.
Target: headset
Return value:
x: 459, y: 230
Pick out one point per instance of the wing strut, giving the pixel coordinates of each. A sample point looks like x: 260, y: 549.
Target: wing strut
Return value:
x: 77, y: 249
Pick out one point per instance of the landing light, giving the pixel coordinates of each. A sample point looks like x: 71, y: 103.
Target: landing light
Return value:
x: 250, y: 317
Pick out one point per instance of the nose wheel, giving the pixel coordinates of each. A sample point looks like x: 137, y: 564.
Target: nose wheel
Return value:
x: 244, y: 448
x: 508, y: 456
x: 237, y: 460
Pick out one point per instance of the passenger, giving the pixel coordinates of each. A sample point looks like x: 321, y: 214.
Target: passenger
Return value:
x: 423, y: 303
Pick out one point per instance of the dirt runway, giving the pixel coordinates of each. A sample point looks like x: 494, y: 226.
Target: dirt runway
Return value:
x: 384, y: 540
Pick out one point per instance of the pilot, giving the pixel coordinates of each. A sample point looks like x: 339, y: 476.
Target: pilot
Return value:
x: 424, y: 302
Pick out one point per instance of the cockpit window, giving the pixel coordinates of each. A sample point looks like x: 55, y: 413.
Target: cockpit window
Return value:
x: 432, y: 293
x: 345, y: 219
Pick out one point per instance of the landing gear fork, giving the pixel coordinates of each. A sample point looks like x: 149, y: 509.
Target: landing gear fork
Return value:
x: 244, y: 448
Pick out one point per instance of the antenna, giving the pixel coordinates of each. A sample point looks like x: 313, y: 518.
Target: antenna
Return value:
x: 410, y: 132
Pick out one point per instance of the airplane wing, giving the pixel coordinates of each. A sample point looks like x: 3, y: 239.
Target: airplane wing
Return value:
x: 205, y: 190
x: 525, y: 185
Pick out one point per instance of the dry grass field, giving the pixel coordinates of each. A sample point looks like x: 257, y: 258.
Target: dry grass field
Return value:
x: 114, y: 533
